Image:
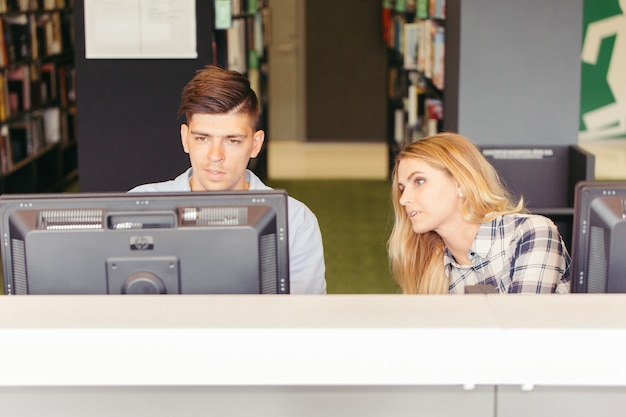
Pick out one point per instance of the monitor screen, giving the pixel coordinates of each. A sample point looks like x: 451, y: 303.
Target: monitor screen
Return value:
x: 145, y: 243
x: 599, y: 238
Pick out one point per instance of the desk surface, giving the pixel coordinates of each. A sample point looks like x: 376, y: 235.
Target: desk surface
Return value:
x: 576, y: 339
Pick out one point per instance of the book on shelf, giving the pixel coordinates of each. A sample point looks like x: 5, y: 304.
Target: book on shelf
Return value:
x: 386, y: 25
x: 53, y: 4
x: 253, y: 6
x: 48, y: 34
x: 4, y: 53
x: 437, y: 9
x: 439, y: 51
x: 66, y: 86
x: 236, y: 46
x: 17, y: 36
x: 18, y: 83
x: 51, y: 117
x: 223, y: 14
x: 399, y: 128
x: 411, y: 31
x: 412, y: 106
x: 400, y: 6
x: 424, y: 48
x: 5, y: 149
x: 259, y: 35
x: 37, y: 139
x: 48, y: 81
x: 20, y: 140
x: 421, y: 9
x: 237, y: 7
x: 398, y: 33
x: 433, y: 114
x: 4, y: 97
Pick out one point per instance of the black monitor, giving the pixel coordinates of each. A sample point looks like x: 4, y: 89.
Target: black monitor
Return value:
x: 599, y: 238
x: 145, y: 243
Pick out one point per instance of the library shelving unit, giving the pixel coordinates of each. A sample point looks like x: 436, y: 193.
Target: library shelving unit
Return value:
x: 240, y: 44
x: 414, y: 32
x: 38, y: 150
x: 128, y: 128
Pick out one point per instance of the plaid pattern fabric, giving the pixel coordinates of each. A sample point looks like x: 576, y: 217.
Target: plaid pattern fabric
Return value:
x: 516, y: 253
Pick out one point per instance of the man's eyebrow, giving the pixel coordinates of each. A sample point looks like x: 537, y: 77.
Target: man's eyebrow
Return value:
x: 230, y: 135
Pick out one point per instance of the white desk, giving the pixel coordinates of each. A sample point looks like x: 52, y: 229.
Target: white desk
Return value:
x: 317, y: 352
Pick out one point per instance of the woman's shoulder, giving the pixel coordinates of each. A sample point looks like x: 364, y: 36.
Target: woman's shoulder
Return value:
x: 528, y: 223
x: 524, y: 221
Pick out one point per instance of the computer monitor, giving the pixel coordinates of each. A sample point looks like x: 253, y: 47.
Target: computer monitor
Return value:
x: 599, y: 237
x: 145, y: 243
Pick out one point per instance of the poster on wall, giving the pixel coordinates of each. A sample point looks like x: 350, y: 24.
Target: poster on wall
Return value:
x: 603, y: 71
x: 140, y: 29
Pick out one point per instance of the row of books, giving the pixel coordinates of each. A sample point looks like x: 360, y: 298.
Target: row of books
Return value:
x: 422, y: 9
x: 7, y: 6
x: 29, y: 87
x: 246, y: 44
x: 228, y: 10
x: 424, y: 49
x: 29, y: 36
x: 420, y: 115
x: 240, y: 7
x: 28, y: 137
x: 422, y: 46
x: 415, y: 32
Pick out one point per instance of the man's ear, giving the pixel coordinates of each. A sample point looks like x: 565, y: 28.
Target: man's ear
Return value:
x: 184, y: 129
x: 257, y: 143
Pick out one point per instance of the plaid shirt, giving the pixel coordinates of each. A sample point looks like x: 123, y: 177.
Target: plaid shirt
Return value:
x: 515, y: 253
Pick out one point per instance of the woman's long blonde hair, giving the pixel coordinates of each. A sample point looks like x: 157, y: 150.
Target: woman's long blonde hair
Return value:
x: 416, y: 259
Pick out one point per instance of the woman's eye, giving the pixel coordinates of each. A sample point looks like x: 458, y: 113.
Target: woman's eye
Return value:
x: 419, y: 181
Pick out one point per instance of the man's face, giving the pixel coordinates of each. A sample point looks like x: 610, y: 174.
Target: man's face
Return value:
x: 219, y: 148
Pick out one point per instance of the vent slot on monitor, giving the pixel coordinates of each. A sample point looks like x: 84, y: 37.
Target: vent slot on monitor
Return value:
x: 269, y: 272
x: 598, y: 256
x: 69, y: 219
x: 20, y: 283
x: 214, y: 216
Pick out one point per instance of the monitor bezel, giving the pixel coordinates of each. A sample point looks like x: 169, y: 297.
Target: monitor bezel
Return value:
x: 584, y: 195
x: 146, y: 202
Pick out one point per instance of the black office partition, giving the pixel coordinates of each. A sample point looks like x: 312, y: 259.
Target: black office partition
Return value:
x: 127, y: 127
x: 545, y: 176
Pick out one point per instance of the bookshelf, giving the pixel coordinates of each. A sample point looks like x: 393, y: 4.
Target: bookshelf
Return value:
x: 240, y: 44
x: 38, y: 150
x: 414, y: 32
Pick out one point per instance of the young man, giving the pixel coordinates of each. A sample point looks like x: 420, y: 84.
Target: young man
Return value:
x: 221, y: 136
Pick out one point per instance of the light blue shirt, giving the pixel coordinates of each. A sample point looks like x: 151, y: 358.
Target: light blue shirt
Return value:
x: 306, y: 253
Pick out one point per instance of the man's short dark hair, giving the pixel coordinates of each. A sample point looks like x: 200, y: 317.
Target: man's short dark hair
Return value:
x: 214, y: 90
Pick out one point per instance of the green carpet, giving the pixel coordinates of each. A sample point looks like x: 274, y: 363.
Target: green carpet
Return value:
x: 355, y: 218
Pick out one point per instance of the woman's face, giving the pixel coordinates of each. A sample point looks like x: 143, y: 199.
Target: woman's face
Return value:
x: 429, y: 195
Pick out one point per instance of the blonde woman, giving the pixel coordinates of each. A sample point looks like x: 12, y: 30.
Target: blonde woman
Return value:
x: 456, y: 226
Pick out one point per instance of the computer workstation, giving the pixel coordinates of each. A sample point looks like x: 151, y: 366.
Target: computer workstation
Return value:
x: 195, y: 353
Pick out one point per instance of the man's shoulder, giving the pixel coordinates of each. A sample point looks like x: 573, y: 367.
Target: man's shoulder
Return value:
x: 297, y: 207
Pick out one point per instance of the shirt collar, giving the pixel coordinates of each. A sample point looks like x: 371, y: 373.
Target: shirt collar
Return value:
x: 484, y: 239
x: 480, y: 247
